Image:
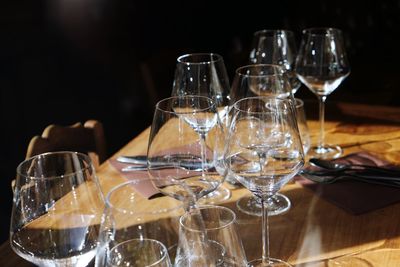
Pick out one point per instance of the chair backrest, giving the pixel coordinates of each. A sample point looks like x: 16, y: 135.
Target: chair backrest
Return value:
x: 88, y: 138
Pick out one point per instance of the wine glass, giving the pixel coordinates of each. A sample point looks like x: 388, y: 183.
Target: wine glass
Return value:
x: 140, y: 253
x: 261, y: 80
x: 276, y: 47
x: 187, y: 138
x: 302, y: 124
x: 322, y: 65
x: 221, y: 246
x: 56, y: 210
x: 135, y: 229
x: 262, y: 127
x: 205, y: 74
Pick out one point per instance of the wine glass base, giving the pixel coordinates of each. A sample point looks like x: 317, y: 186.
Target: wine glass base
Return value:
x: 272, y: 263
x: 325, y: 152
x: 219, y: 195
x: 348, y: 262
x: 277, y: 204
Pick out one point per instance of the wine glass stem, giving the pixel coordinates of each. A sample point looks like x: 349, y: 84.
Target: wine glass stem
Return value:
x: 189, y: 203
x: 262, y: 157
x: 203, y: 151
x: 265, y: 233
x: 321, y: 121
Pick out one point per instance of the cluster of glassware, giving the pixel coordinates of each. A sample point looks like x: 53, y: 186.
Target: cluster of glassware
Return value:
x: 253, y: 133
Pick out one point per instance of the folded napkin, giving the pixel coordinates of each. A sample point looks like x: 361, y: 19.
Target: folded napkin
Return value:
x: 353, y: 196
x: 145, y: 188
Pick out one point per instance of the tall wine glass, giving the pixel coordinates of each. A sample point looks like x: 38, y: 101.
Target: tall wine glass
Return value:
x: 276, y: 47
x: 261, y: 128
x: 205, y: 74
x: 187, y: 137
x: 56, y: 210
x: 322, y: 65
x: 261, y: 80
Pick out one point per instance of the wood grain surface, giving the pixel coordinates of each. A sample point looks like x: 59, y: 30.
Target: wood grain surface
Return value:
x: 313, y: 232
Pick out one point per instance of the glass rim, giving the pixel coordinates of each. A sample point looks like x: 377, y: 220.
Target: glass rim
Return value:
x: 273, y: 32
x: 214, y: 58
x: 322, y: 31
x: 255, y: 66
x: 164, y: 249
x: 202, y: 207
x: 275, y: 98
x: 83, y: 156
x: 165, y: 100
x: 118, y: 187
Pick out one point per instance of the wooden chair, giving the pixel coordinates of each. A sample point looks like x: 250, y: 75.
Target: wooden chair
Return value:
x: 88, y: 138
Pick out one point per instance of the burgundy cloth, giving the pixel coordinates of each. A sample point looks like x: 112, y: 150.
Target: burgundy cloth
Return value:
x: 145, y: 188
x: 353, y: 196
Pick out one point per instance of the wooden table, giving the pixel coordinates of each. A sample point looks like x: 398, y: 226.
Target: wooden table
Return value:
x: 313, y: 232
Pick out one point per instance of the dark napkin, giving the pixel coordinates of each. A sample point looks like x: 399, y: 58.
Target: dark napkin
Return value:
x: 353, y: 196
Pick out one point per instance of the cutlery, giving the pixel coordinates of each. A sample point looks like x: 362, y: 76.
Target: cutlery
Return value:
x: 194, y: 167
x: 330, y: 165
x: 142, y: 159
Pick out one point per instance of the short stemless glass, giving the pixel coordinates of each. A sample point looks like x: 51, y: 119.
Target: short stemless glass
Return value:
x: 140, y: 253
x: 56, y: 210
x: 208, y: 237
x: 129, y: 217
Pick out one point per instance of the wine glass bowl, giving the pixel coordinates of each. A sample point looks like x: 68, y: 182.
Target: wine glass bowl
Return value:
x: 260, y: 80
x: 140, y: 253
x: 203, y: 74
x: 322, y: 66
x: 276, y: 47
x: 56, y: 210
x: 188, y: 120
x: 261, y: 128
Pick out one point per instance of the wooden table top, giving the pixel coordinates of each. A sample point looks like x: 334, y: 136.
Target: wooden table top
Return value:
x: 313, y: 232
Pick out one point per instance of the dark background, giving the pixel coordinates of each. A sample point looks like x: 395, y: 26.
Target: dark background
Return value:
x: 64, y: 61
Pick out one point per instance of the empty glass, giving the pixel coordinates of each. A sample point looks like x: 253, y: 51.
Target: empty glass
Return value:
x: 129, y: 219
x: 252, y: 205
x: 218, y: 245
x: 262, y: 129
x: 261, y: 80
x: 56, y: 211
x: 322, y: 65
x: 188, y: 139
x: 302, y: 124
x: 140, y: 253
x: 205, y: 74
x: 276, y: 47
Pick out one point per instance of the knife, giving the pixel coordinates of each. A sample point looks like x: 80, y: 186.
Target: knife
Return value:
x: 142, y: 159
x: 182, y: 161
